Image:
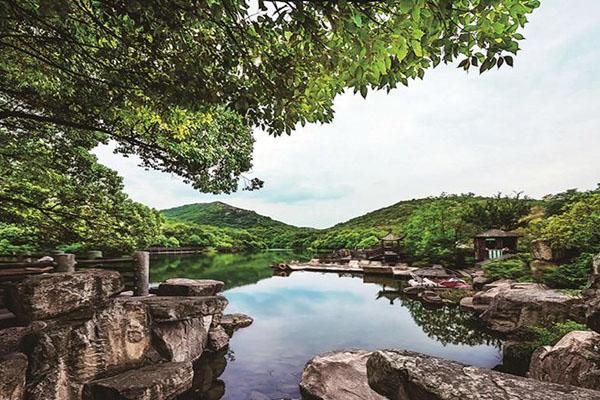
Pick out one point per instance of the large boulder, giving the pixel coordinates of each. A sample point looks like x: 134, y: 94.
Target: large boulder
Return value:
x: 574, y: 360
x: 527, y: 304
x: 541, y: 250
x: 406, y: 375
x: 67, y: 354
x: 182, y: 340
x: 53, y: 295
x: 490, y: 291
x: 596, y: 265
x: 154, y: 382
x: 13, y: 368
x: 338, y: 375
x: 176, y: 308
x: 189, y: 287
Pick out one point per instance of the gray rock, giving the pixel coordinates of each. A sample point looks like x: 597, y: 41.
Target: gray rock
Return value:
x: 233, y: 322
x: 174, y: 308
x: 406, y: 375
x: 66, y: 355
x: 154, y: 382
x: 53, y: 295
x: 182, y: 340
x: 490, y: 291
x: 218, y: 339
x: 574, y: 360
x: 529, y: 304
x: 467, y: 304
x: 189, y: 287
x: 13, y: 368
x: 338, y: 375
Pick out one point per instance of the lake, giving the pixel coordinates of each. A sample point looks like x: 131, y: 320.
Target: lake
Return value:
x: 305, y: 314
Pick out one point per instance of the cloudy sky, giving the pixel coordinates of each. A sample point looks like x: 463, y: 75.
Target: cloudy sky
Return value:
x: 534, y: 128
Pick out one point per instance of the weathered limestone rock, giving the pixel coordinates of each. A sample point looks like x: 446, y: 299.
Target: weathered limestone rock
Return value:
x: 233, y: 322
x: 574, y: 360
x: 338, y: 375
x: 596, y: 265
x: 174, y: 308
x: 592, y: 312
x: 490, y: 291
x: 467, y: 304
x: 66, y: 355
x: 480, y: 281
x: 189, y: 287
x: 154, y: 382
x: 529, y: 304
x: 12, y: 338
x: 52, y: 295
x: 406, y: 375
x: 218, y: 339
x: 541, y: 250
x: 182, y: 340
x: 13, y: 368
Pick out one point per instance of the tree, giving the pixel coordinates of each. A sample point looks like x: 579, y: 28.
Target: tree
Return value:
x: 58, y: 194
x: 181, y: 82
x: 500, y: 211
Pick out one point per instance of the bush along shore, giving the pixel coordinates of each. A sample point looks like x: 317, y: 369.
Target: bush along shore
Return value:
x: 81, y: 337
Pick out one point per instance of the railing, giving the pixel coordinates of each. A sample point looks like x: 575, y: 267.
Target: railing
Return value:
x: 134, y: 270
x: 494, y: 254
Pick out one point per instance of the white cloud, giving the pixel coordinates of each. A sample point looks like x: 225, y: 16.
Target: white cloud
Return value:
x: 534, y: 128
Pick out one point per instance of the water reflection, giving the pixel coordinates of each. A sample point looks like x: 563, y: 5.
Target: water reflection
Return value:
x: 304, y: 314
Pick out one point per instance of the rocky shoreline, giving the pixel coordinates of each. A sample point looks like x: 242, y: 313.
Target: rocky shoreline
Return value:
x: 82, y: 339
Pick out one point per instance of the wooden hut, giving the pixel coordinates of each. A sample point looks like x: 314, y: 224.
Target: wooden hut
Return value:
x: 494, y: 244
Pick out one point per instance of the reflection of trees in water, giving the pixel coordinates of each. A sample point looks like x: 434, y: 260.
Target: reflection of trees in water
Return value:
x: 233, y: 269
x: 448, y: 324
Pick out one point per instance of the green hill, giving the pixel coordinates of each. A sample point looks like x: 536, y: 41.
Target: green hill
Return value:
x: 221, y: 215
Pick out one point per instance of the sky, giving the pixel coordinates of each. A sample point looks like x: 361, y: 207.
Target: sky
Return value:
x: 534, y: 128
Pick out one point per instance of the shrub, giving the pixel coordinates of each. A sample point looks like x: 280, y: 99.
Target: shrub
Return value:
x: 512, y: 268
x: 570, y: 276
x: 549, y: 335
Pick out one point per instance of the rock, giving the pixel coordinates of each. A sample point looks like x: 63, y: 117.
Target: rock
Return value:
x: 490, y: 291
x: 154, y: 382
x: 467, y: 304
x: 596, y: 265
x: 528, y: 304
x: 218, y: 339
x: 516, y: 356
x: 431, y: 297
x: 189, y: 287
x: 574, y: 360
x: 12, y: 338
x: 338, y: 375
x: 592, y: 312
x: 541, y: 250
x: 233, y: 322
x: 480, y: 281
x: 182, y: 340
x: 66, y: 354
x: 52, y: 295
x: 406, y: 375
x: 173, y: 308
x: 13, y: 368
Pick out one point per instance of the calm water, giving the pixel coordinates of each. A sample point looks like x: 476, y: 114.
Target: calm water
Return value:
x: 305, y: 314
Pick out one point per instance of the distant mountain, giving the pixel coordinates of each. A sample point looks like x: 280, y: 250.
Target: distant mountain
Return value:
x: 222, y: 215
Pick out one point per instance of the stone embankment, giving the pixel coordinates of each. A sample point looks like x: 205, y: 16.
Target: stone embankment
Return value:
x: 405, y: 375
x: 81, y: 339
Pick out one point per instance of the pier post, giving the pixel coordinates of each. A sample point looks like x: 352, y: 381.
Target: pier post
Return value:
x: 65, y: 262
x: 141, y: 273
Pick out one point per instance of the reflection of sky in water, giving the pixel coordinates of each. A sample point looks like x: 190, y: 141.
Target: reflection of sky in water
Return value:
x: 305, y: 314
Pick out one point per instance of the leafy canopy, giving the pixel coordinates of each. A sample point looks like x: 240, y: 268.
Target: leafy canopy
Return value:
x: 181, y: 82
